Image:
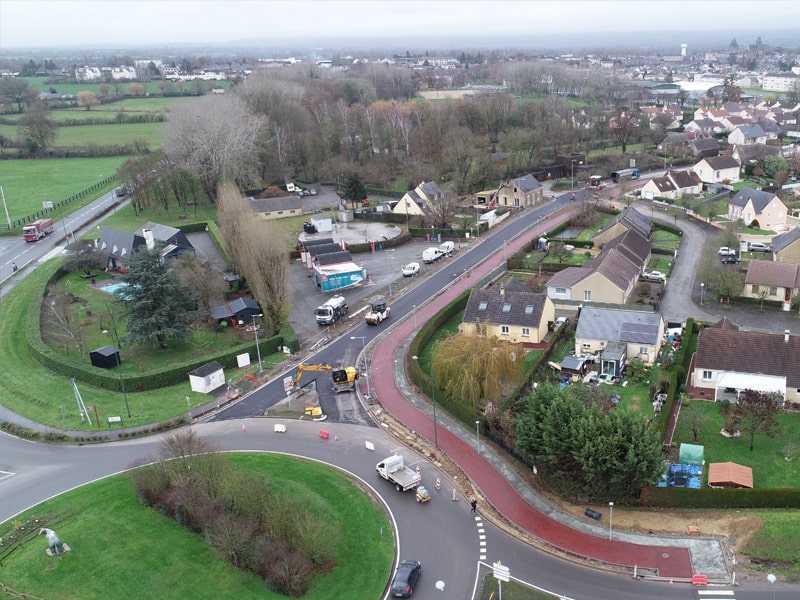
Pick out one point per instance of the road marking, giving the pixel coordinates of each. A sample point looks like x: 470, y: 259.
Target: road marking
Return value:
x: 702, y: 593
x: 6, y: 475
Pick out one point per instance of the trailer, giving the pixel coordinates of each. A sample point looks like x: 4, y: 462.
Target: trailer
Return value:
x: 394, y: 470
x: 37, y: 230
x: 330, y: 312
x: 625, y: 175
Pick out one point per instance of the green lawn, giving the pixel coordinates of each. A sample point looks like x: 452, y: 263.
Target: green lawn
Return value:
x: 121, y: 549
x: 107, y: 135
x: 660, y: 263
x: 151, y: 87
x: 665, y: 239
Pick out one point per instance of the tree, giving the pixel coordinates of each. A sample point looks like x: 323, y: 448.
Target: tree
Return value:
x: 352, y: 190
x: 136, y: 89
x: 214, y: 138
x: 258, y: 249
x: 763, y: 294
x: 758, y: 413
x: 773, y: 165
x: 87, y: 261
x: 201, y: 277
x: 624, y: 129
x: 558, y: 250
x: 37, y: 127
x: 103, y: 88
x: 61, y: 320
x: 730, y: 282
x: 15, y: 90
x: 87, y: 100
x: 475, y: 369
x: 443, y: 207
x: 694, y: 419
x: 160, y: 308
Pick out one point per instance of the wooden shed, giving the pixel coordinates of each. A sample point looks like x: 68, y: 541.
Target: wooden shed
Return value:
x: 730, y: 475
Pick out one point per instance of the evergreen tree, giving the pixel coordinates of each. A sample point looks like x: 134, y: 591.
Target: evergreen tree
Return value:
x: 160, y: 308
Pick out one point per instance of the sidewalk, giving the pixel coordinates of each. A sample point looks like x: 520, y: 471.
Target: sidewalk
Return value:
x: 666, y: 557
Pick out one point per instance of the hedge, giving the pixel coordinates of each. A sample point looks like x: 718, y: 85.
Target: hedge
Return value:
x: 676, y: 497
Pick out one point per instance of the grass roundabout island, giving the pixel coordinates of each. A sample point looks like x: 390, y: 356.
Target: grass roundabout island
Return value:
x: 121, y: 547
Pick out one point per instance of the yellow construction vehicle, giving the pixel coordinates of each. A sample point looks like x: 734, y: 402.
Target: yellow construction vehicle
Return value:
x: 344, y: 378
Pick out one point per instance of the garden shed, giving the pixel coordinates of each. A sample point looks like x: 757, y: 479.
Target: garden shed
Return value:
x: 106, y: 357
x: 207, y: 378
x: 691, y: 454
x: 730, y: 475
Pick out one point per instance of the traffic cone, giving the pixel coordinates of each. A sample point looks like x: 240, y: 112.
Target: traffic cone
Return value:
x: 244, y: 428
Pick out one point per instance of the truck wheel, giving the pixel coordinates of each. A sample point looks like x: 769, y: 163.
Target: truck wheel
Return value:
x: 397, y: 486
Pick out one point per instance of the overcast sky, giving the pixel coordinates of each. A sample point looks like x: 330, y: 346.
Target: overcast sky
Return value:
x: 119, y: 23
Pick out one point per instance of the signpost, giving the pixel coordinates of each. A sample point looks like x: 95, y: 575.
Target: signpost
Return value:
x: 501, y: 573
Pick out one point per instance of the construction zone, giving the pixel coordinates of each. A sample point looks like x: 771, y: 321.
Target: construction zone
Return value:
x: 302, y: 401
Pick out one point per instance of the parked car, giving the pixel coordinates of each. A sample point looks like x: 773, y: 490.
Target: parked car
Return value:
x: 312, y: 192
x: 405, y: 578
x: 730, y: 260
x: 655, y: 276
x: 725, y: 251
x: 410, y: 269
x: 758, y: 247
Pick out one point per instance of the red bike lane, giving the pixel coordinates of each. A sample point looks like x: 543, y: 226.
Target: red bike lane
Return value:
x: 668, y: 561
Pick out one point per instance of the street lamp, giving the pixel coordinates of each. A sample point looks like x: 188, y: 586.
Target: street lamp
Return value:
x: 772, y: 579
x: 663, y: 148
x: 572, y: 164
x: 414, y: 308
x: 408, y: 230
x: 478, y: 434
x: 366, y: 361
x: 433, y: 401
x: 258, y: 348
x: 702, y: 293
x: 116, y: 355
x: 610, y: 518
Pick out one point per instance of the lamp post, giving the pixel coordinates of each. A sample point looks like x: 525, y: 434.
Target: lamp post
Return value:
x: 663, y: 148
x: 702, y: 293
x: 478, y: 434
x: 772, y: 579
x: 258, y: 348
x: 433, y: 402
x: 414, y: 308
x: 116, y: 355
x: 366, y: 361
x: 572, y: 165
x: 408, y: 230
x: 610, y: 518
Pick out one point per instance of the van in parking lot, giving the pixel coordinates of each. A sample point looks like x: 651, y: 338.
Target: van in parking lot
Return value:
x: 431, y: 255
x: 447, y: 248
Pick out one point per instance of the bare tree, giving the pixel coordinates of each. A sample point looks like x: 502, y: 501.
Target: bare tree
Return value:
x: 758, y: 413
x: 17, y: 90
x: 215, y: 138
x: 60, y: 323
x: 258, y: 249
x: 443, y: 207
x: 624, y: 129
x: 37, y: 126
x: 200, y: 277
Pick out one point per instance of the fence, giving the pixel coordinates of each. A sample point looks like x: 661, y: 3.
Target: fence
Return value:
x: 61, y: 203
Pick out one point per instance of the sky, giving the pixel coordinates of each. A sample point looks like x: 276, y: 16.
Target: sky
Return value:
x: 138, y: 23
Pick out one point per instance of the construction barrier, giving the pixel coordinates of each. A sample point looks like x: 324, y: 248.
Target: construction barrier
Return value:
x: 324, y: 434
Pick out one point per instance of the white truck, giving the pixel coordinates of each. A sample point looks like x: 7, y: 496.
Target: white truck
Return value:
x: 394, y: 470
x: 331, y: 311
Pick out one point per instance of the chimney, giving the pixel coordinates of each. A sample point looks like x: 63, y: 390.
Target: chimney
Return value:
x: 147, y: 234
x: 502, y: 290
x: 786, y: 336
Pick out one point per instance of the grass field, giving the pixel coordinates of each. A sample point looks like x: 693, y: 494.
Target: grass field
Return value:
x: 129, y: 106
x: 151, y: 87
x: 107, y: 135
x: 121, y: 549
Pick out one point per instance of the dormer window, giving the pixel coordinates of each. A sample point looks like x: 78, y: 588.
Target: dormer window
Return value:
x: 506, y: 307
x: 483, y: 305
x: 529, y: 309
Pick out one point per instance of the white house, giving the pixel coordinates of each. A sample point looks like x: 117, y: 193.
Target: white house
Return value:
x: 716, y: 169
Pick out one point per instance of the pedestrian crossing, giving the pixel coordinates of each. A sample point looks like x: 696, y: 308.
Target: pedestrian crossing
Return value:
x: 714, y: 594
x: 481, y: 536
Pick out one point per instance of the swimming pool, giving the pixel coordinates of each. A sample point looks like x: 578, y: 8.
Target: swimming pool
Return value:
x: 118, y: 289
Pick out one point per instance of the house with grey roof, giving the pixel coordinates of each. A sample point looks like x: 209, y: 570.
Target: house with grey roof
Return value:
x: 716, y: 169
x: 702, y: 147
x: 618, y: 336
x: 786, y: 246
x: 770, y: 280
x: 728, y: 362
x: 747, y: 134
x: 628, y: 220
x: 522, y: 192
x: 511, y: 313
x: 276, y: 208
x: 673, y: 185
x: 238, y: 312
x: 115, y: 247
x: 757, y: 205
x: 419, y: 201
x: 751, y: 153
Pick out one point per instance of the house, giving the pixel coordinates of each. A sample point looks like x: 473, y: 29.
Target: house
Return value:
x: 756, y: 205
x: 629, y: 219
x: 747, y: 134
x: 238, y: 313
x: 675, y: 184
x: 717, y: 169
x: 172, y: 240
x: 728, y: 362
x: 522, y: 192
x: 270, y: 209
x: 419, y: 201
x: 705, y: 126
x: 772, y: 280
x: 511, y: 313
x: 115, y: 247
x: 786, y: 246
x: 703, y: 147
x: 618, y: 336
x: 753, y: 152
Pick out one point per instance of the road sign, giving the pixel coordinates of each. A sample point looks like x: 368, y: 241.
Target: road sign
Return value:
x: 501, y: 572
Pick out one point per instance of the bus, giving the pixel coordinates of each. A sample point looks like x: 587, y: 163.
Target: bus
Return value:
x: 624, y: 175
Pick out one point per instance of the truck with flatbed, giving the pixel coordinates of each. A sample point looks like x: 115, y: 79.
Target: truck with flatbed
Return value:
x: 394, y: 470
x: 37, y: 230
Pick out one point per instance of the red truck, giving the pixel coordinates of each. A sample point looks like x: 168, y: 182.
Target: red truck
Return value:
x: 37, y: 230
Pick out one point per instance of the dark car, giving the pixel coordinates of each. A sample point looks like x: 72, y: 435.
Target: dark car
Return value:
x: 405, y: 578
x: 730, y: 260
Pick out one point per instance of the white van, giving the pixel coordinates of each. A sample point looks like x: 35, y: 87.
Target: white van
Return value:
x: 447, y: 248
x: 431, y: 255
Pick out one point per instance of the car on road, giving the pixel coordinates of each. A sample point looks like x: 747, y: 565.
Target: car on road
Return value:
x: 725, y: 251
x: 759, y: 247
x: 657, y: 276
x: 405, y: 578
x: 410, y: 269
x: 730, y: 260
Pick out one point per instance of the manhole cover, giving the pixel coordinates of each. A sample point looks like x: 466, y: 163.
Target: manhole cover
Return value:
x: 665, y: 555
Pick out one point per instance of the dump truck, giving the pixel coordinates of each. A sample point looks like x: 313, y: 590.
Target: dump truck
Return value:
x: 37, y: 230
x: 330, y: 312
x: 394, y: 470
x: 378, y: 311
x: 343, y: 378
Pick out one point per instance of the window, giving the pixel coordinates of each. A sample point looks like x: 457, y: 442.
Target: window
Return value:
x: 587, y: 295
x: 561, y: 291
x: 526, y: 331
x: 643, y: 350
x: 773, y: 291
x: 706, y: 375
x: 586, y: 345
x: 504, y: 329
x: 506, y: 307
x: 754, y: 289
x: 528, y: 309
x: 482, y: 305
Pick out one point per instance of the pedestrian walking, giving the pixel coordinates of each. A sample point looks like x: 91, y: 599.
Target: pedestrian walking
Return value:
x: 474, y: 505
x: 14, y: 267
